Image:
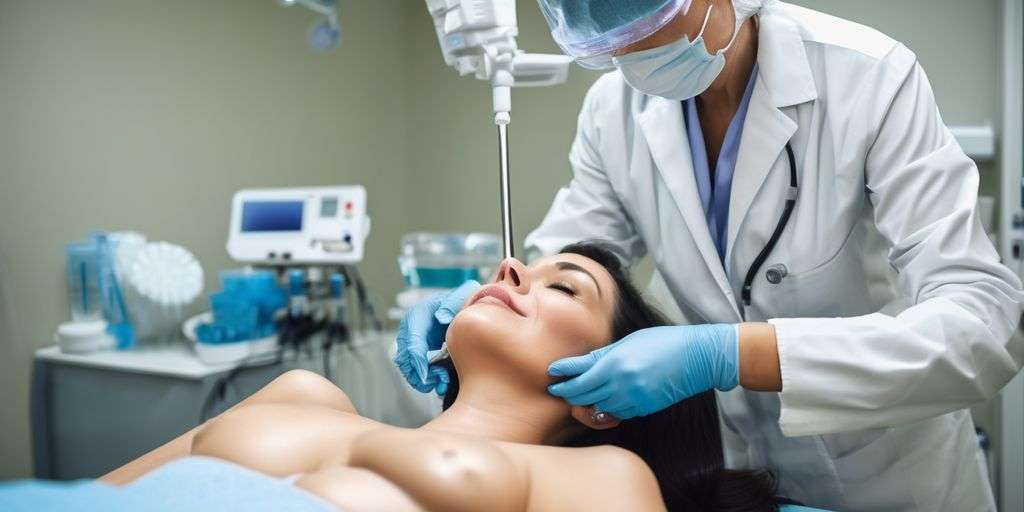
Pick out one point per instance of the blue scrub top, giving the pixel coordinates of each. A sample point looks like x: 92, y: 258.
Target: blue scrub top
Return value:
x: 714, y: 197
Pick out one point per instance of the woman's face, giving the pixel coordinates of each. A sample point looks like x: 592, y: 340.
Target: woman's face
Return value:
x: 528, y: 317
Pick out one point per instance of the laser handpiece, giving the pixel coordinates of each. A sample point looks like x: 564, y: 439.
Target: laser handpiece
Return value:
x: 508, y: 242
x: 502, y: 118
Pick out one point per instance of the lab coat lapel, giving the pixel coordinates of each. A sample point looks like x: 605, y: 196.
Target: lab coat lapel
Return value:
x: 765, y: 134
x: 662, y: 125
x: 784, y: 80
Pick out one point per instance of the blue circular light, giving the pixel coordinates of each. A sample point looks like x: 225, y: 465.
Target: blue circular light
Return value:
x: 324, y: 36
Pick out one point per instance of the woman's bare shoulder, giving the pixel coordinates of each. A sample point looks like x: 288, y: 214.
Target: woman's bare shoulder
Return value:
x: 306, y: 387
x: 281, y: 439
x: 606, y: 477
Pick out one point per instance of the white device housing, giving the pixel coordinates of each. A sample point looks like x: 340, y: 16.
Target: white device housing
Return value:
x: 478, y: 37
x: 288, y: 226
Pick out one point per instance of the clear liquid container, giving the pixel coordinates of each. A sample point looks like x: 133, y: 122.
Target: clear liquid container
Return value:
x: 83, y: 262
x: 446, y: 260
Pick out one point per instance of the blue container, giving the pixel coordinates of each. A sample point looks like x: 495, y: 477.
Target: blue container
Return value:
x: 82, y: 262
x: 93, y: 289
x: 245, y: 309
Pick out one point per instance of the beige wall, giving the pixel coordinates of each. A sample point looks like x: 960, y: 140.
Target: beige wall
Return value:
x: 149, y: 114
x: 957, y: 42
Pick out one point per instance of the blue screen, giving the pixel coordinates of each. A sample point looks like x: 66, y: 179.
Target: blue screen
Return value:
x: 271, y: 216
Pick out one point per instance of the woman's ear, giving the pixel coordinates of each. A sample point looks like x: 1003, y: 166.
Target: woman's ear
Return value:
x: 586, y: 416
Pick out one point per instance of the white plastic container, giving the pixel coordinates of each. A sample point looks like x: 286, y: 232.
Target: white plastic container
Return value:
x: 248, y: 352
x: 83, y: 337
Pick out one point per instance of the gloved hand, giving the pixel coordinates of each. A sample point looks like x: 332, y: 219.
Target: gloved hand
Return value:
x: 422, y: 330
x: 651, y: 369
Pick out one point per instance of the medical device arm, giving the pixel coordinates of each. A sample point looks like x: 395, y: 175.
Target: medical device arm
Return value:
x: 478, y: 37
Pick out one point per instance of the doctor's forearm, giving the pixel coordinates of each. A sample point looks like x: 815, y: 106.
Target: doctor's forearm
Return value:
x: 759, y: 357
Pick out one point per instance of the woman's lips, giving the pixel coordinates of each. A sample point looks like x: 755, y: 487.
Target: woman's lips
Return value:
x: 497, y: 295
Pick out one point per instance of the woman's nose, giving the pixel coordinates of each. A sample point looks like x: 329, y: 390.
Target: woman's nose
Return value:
x: 513, y: 274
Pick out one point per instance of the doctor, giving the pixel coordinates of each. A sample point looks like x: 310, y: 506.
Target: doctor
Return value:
x: 816, y: 224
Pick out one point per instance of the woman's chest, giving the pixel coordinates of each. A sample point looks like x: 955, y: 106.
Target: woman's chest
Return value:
x: 453, y: 473
x: 442, y: 471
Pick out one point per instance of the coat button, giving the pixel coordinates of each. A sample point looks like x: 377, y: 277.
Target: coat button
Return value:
x: 775, y: 273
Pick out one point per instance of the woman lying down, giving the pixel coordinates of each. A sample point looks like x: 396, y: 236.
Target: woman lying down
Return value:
x: 502, y: 443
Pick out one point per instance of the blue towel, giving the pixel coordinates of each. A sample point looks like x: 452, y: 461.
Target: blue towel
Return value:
x: 190, y: 484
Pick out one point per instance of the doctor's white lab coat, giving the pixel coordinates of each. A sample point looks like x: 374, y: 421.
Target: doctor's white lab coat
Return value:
x: 896, y: 313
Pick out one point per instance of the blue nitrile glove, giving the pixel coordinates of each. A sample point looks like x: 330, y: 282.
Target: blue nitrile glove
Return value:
x: 422, y: 330
x: 651, y: 369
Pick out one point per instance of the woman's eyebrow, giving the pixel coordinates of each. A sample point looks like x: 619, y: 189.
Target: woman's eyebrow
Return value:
x: 566, y: 265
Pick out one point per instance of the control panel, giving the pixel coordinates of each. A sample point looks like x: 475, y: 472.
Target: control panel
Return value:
x: 296, y: 226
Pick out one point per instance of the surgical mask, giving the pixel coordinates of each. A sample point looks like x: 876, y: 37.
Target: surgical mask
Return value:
x: 676, y: 71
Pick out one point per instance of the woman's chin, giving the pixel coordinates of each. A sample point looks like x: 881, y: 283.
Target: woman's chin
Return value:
x: 478, y: 325
x: 485, y: 337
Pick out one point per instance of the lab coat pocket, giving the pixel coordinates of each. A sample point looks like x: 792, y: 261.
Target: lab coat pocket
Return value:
x: 836, y: 288
x: 846, y: 445
x: 868, y: 463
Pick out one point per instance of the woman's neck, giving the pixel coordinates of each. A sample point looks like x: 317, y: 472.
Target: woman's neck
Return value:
x: 495, y: 410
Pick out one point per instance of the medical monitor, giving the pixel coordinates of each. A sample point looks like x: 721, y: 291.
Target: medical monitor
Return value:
x: 287, y: 226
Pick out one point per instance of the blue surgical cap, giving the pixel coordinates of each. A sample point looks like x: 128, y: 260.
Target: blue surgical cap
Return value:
x: 588, y: 29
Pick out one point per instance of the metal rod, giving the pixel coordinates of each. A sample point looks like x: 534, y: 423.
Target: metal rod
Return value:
x: 506, y: 192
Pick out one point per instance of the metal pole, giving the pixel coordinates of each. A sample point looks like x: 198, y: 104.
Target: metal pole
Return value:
x: 506, y: 193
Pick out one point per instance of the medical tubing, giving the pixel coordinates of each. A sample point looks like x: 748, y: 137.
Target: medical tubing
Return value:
x: 219, y: 390
x: 366, y: 308
x: 326, y: 351
x: 505, y: 193
x: 779, y: 228
x: 220, y: 386
x: 351, y: 300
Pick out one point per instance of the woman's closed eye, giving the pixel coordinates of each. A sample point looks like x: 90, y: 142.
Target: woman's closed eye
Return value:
x: 564, y: 288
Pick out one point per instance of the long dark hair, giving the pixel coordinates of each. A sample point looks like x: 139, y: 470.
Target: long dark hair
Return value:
x: 682, y: 444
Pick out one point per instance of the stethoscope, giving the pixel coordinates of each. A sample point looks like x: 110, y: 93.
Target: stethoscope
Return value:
x: 775, y: 273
